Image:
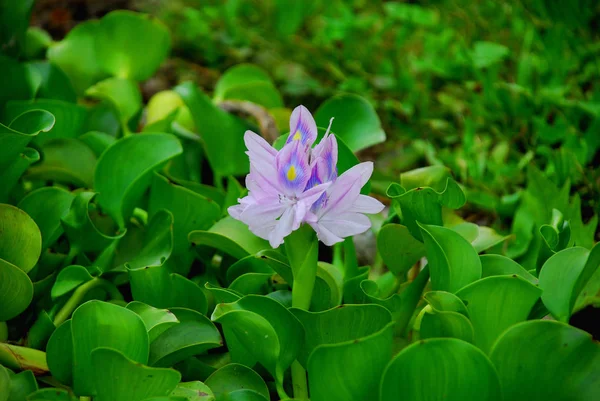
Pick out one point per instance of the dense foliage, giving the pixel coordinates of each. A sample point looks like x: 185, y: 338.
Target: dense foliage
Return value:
x: 123, y: 277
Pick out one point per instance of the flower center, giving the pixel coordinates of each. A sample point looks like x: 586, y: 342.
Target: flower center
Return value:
x: 291, y: 173
x: 297, y: 136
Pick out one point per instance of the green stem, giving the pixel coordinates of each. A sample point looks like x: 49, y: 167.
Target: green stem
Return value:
x: 73, y: 251
x: 302, y: 249
x: 350, y: 259
x: 299, y: 381
x: 79, y: 294
x: 23, y: 358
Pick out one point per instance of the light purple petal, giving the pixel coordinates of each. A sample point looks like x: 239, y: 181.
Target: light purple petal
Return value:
x: 302, y: 127
x: 283, y: 228
x: 324, y: 235
x: 345, y: 224
x: 306, y: 201
x: 366, y: 204
x: 258, y: 147
x: 293, y: 168
x: 325, y: 154
x: 346, y: 189
x: 260, y: 214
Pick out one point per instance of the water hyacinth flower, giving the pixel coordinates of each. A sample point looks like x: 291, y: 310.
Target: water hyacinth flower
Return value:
x: 300, y: 184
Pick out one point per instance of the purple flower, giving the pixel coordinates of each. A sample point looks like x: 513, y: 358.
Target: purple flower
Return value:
x: 299, y: 184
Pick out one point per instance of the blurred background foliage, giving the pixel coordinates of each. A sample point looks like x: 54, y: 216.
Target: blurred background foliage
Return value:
x: 485, y: 88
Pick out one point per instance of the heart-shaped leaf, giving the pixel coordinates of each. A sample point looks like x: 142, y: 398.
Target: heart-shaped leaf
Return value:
x: 453, y: 261
x: 454, y: 370
x: 121, y: 188
x: 498, y: 265
x: 122, y: 93
x: 518, y: 352
x: 398, y: 248
x: 356, y: 121
x: 445, y: 316
x: 513, y: 300
x: 47, y: 206
x: 118, y: 378
x: 156, y: 320
x: 248, y: 82
x: 194, y: 391
x: 235, y: 377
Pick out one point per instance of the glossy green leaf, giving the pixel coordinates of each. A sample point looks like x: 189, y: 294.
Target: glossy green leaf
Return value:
x: 191, y: 211
x: 265, y: 328
x: 14, y: 19
x: 55, y: 83
x: 398, y: 248
x: 97, y: 141
x: 118, y: 378
x: 68, y: 279
x: 4, y: 384
x: 70, y: 117
x: 120, y: 187
x: 518, y: 352
x: 454, y: 262
x: 157, y: 242
x: 76, y: 55
x: 445, y: 316
x: 21, y: 385
x: 194, y: 391
x: 461, y: 372
x: 348, y: 348
x: 156, y: 320
x: 67, y: 161
x: 83, y: 232
x: 131, y: 45
x: 25, y: 80
x: 193, y: 335
x: 11, y: 175
x: 122, y: 93
x: 59, y: 353
x: 221, y: 133
x: 513, y: 300
x: 248, y: 82
x: 40, y: 331
x: 47, y: 206
x: 51, y: 394
x: 23, y: 128
x: 20, y: 238
x: 563, y: 277
x: 229, y: 236
x: 424, y: 204
x: 498, y: 265
x: 99, y: 324
x: 356, y: 121
x: 234, y: 377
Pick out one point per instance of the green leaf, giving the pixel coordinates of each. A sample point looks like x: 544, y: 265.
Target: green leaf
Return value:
x: 70, y: 117
x: 440, y: 368
x: 82, y: 232
x: 76, y: 55
x: 14, y: 19
x: 248, y: 82
x: 412, y: 14
x: 444, y: 316
x: 356, y: 121
x: 118, y: 378
x: 21, y: 385
x: 51, y: 394
x: 55, y: 83
x: 59, y: 353
x: 156, y: 320
x: 20, y: 238
x: 122, y: 93
x: 564, y: 275
x: 47, y: 206
x: 518, y: 352
x: 340, y: 325
x: 97, y: 141
x: 513, y: 300
x: 40, y: 331
x: 398, y: 248
x: 498, y: 265
x: 69, y: 279
x: 229, y: 236
x: 100, y: 324
x: 191, y: 211
x: 193, y: 335
x: 234, y: 377
x: 194, y: 391
x: 222, y: 133
x: 4, y: 384
x: 131, y: 45
x: 16, y: 290
x: 268, y: 331
x: 454, y: 263
x: 15, y: 137
x: 424, y: 204
x: 67, y: 161
x: 124, y: 171
x: 10, y: 176
x: 486, y: 54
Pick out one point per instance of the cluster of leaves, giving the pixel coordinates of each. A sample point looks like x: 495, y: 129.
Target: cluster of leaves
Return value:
x: 483, y: 88
x: 123, y: 278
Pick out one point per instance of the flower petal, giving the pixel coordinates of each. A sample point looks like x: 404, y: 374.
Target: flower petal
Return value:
x: 303, y: 127
x: 345, y: 224
x: 258, y: 147
x: 346, y: 189
x: 325, y: 155
x: 366, y: 204
x: 293, y: 168
x: 324, y: 235
x: 260, y: 214
x: 283, y: 228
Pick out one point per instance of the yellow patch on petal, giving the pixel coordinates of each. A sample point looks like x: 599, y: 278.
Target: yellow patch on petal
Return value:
x: 291, y: 173
x: 297, y: 136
